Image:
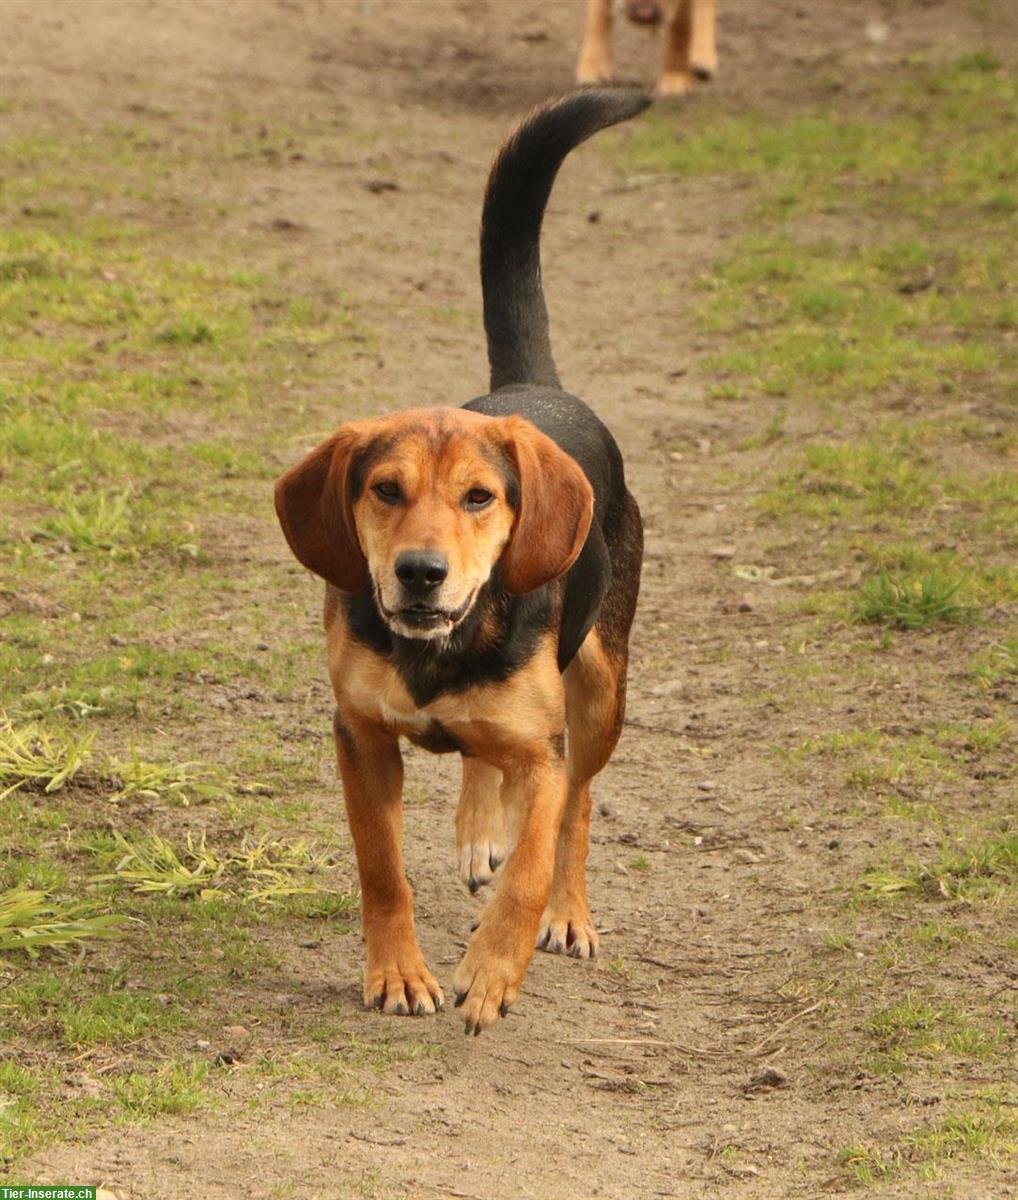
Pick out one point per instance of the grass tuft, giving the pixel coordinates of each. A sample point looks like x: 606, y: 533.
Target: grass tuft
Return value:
x: 262, y: 871
x: 30, y: 923
x: 911, y: 602
x: 184, y: 783
x: 965, y: 874
x: 31, y: 758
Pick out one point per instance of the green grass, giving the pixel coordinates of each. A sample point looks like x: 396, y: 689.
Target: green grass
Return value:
x: 984, y: 871
x: 911, y: 602
x: 884, y: 762
x: 877, y: 280
x: 916, y: 1027
x: 30, y: 923
x: 33, y: 758
x: 986, y: 1130
x: 997, y: 664
x: 38, y: 1105
x: 262, y: 871
x: 935, y: 146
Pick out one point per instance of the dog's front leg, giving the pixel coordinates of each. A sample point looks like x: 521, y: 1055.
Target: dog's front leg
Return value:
x: 396, y: 977
x: 490, y: 975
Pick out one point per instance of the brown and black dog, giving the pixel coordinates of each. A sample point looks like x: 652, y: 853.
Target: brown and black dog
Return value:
x: 482, y: 566
x: 690, y: 52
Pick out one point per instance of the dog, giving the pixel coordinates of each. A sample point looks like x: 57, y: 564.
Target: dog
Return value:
x: 482, y: 567
x: 690, y: 51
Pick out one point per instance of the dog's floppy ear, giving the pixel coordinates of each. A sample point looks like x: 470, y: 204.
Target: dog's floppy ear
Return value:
x: 314, y: 505
x: 554, y: 510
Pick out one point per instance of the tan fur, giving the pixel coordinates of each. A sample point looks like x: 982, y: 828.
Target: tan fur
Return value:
x: 436, y: 456
x: 514, y: 728
x: 689, y: 45
x: 511, y: 733
x: 481, y: 836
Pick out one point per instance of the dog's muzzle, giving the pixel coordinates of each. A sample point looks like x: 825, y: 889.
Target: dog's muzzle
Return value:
x: 424, y: 620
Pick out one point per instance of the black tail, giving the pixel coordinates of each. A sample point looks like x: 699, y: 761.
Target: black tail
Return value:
x: 515, y: 316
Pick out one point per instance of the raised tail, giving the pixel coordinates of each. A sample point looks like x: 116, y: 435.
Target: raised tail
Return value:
x: 515, y: 316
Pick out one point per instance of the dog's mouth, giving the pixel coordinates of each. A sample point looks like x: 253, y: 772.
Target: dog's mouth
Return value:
x: 423, y: 620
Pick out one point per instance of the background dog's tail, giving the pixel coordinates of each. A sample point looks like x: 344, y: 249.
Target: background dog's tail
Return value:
x: 515, y: 316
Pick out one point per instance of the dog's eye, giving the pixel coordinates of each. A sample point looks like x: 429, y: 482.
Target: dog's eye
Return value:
x: 388, y: 491
x: 478, y: 498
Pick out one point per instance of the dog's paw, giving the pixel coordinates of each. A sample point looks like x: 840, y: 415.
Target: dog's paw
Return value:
x: 673, y: 83
x: 594, y: 68
x: 568, y: 931
x: 481, y: 837
x: 486, y: 985
x: 480, y: 860
x: 403, y: 987
x: 703, y: 62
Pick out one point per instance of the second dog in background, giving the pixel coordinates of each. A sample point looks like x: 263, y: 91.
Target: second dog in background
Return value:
x: 690, y: 52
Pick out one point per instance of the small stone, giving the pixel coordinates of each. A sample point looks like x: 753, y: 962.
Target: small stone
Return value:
x: 877, y: 32
x: 745, y: 605
x: 313, y: 944
x: 722, y: 552
x: 237, y: 1032
x: 707, y: 785
x: 745, y: 856
x: 768, y: 1077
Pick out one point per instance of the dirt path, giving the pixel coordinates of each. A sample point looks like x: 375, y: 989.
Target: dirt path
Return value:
x: 630, y: 1076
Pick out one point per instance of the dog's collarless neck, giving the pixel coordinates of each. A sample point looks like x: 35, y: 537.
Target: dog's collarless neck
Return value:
x: 495, y: 639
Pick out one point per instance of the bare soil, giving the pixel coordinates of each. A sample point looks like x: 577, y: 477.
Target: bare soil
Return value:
x: 630, y: 1075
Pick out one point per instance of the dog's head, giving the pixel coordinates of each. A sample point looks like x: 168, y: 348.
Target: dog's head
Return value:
x: 427, y: 503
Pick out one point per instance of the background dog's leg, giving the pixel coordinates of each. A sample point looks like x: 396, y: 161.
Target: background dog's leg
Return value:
x: 595, y: 62
x: 396, y: 977
x: 595, y: 700
x: 676, y: 75
x: 703, y: 55
x: 480, y: 823
x: 489, y: 977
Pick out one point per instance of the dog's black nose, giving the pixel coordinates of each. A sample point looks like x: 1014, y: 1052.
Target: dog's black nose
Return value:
x: 421, y: 571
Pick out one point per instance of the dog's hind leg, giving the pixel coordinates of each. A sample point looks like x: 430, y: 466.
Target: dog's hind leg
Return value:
x: 703, y: 55
x: 689, y: 47
x: 595, y: 684
x: 595, y: 62
x: 480, y: 823
x: 595, y: 691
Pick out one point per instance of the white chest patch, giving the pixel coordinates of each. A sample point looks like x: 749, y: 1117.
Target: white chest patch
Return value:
x: 403, y: 719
